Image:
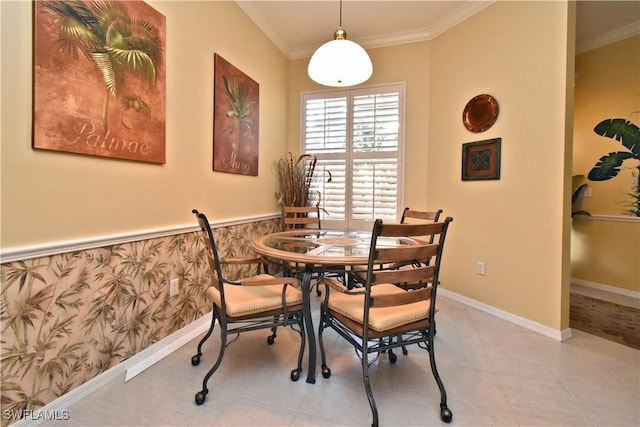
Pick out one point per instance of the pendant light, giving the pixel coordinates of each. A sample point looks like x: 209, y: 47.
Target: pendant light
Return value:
x: 340, y: 62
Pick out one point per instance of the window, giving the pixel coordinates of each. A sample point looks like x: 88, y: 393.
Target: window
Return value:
x: 357, y: 137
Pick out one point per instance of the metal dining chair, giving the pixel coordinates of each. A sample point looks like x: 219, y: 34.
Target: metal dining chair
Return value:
x: 260, y: 301
x: 413, y: 216
x: 381, y: 315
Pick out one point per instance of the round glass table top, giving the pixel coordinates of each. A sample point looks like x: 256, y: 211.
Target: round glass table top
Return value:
x: 344, y: 247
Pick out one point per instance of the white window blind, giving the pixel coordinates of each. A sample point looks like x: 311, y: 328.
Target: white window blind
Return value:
x: 357, y: 137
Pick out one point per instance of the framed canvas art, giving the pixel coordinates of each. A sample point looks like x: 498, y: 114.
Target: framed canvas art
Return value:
x: 235, y: 133
x: 481, y: 160
x: 99, y: 79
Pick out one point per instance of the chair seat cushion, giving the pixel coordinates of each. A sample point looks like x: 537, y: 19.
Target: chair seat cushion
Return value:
x: 245, y: 300
x: 380, y: 319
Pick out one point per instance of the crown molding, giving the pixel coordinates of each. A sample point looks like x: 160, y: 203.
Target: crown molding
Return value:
x: 458, y: 16
x: 449, y: 21
x: 609, y: 37
x: 266, y: 28
x: 371, y: 42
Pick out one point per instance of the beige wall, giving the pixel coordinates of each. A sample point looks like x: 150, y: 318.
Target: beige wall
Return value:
x: 606, y: 252
x: 517, y: 52
x: 52, y: 196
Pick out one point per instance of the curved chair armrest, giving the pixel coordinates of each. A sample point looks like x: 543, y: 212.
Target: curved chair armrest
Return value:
x: 339, y: 287
x: 270, y: 281
x: 257, y: 260
x: 232, y: 282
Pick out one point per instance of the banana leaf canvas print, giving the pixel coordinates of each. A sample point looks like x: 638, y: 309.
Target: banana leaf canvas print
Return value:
x: 99, y: 79
x: 235, y: 133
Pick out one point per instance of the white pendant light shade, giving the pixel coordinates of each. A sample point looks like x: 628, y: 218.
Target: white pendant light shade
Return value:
x: 340, y: 63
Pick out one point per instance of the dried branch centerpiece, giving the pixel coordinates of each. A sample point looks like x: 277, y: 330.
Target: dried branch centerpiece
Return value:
x: 296, y: 179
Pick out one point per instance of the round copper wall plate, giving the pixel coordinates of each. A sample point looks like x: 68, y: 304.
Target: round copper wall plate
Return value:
x: 480, y: 113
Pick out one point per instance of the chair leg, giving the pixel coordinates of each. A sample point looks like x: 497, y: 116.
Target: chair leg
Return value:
x: 195, y: 359
x: 445, y: 413
x: 404, y: 347
x: 326, y: 372
x: 390, y: 354
x: 367, y: 386
x: 201, y: 395
x: 272, y: 338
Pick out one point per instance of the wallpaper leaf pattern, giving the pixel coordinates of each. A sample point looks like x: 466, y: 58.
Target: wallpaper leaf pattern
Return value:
x: 66, y: 318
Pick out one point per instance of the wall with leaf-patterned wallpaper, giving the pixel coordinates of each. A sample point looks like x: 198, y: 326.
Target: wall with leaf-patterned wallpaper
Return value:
x: 67, y: 318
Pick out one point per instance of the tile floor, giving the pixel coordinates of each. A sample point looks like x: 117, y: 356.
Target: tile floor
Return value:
x: 496, y: 374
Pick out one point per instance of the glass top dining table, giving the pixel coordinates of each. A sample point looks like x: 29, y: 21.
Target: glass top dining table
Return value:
x: 324, y: 247
x: 319, y: 250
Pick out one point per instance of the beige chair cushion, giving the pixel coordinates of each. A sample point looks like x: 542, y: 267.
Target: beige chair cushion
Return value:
x: 244, y: 300
x: 380, y: 319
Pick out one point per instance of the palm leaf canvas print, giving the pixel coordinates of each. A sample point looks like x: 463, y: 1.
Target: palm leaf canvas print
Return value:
x: 99, y: 79
x: 235, y: 135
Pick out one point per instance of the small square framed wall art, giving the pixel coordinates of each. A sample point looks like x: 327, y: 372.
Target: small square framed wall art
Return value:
x: 481, y: 160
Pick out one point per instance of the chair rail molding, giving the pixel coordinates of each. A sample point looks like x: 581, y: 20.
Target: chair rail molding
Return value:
x: 615, y: 218
x: 20, y: 253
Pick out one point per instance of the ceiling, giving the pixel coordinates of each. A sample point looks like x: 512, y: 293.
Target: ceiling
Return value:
x: 298, y: 27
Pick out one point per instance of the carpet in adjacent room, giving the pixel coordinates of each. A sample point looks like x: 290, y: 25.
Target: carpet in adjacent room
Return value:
x: 605, y: 319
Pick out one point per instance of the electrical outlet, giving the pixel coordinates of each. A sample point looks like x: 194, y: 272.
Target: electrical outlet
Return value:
x: 174, y: 285
x: 480, y: 268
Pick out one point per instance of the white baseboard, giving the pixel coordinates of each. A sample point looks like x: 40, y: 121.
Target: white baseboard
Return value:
x: 165, y: 347
x: 558, y: 335
x: 130, y: 367
x: 606, y: 288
